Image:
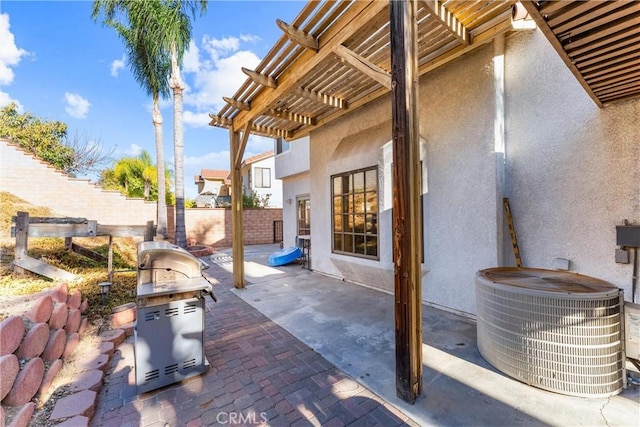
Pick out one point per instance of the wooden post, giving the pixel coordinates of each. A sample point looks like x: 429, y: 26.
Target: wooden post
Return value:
x: 236, y: 210
x: 149, y: 232
x: 407, y: 222
x: 68, y: 243
x: 110, y: 260
x: 22, y: 239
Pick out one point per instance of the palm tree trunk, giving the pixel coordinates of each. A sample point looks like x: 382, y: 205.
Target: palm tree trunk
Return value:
x: 162, y: 188
x: 178, y: 145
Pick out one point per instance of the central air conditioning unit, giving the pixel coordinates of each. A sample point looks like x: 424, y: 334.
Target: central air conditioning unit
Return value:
x: 555, y: 330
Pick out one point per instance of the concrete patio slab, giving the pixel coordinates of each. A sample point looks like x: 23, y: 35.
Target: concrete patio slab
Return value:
x: 353, y: 327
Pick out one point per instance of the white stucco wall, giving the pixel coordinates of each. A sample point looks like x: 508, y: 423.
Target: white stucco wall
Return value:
x: 293, y: 187
x: 293, y: 161
x: 573, y: 168
x: 462, y: 212
x: 274, y: 191
x: 572, y: 173
x: 456, y: 125
x: 211, y: 186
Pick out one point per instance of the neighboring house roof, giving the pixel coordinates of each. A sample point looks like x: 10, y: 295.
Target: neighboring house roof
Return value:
x: 213, y: 174
x: 257, y: 158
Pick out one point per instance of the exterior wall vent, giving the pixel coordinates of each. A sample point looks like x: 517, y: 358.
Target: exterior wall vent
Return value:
x: 554, y: 330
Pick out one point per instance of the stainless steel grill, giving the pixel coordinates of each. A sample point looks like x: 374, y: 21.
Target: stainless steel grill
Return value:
x: 555, y: 330
x: 169, y: 332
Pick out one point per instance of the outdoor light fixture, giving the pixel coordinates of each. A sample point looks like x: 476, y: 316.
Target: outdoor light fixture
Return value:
x: 104, y: 290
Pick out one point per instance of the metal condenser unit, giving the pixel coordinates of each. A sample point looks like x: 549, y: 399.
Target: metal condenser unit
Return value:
x: 169, y: 332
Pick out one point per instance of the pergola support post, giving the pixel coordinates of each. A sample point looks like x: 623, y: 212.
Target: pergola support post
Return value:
x: 407, y: 221
x: 236, y: 210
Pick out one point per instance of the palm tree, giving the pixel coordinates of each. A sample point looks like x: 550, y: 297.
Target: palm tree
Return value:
x: 166, y: 28
x: 136, y: 175
x: 176, y: 25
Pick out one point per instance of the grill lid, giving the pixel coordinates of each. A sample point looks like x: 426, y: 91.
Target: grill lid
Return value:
x: 164, y: 268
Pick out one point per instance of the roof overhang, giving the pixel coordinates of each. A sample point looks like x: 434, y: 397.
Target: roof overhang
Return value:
x: 335, y: 56
x: 598, y: 40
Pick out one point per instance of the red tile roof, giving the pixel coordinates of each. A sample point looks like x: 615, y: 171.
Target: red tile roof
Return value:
x: 258, y: 157
x: 223, y: 175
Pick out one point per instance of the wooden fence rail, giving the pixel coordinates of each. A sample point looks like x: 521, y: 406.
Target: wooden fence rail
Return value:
x: 68, y: 228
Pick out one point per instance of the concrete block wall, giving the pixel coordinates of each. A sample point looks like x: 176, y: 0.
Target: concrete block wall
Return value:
x: 213, y: 227
x: 41, y: 184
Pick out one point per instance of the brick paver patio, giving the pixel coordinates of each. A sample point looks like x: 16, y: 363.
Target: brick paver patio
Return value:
x: 259, y: 375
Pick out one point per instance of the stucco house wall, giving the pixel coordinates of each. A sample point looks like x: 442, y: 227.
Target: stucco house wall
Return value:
x: 292, y: 167
x: 460, y: 214
x: 570, y: 169
x: 274, y: 190
x: 573, y: 168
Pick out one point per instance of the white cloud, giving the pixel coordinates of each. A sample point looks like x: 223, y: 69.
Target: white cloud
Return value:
x: 116, y: 66
x: 196, y: 120
x: 76, y: 105
x: 213, y: 160
x: 10, y: 54
x: 191, y: 59
x: 210, y: 85
x: 258, y: 145
x: 5, y: 99
x: 220, y: 47
x: 250, y: 38
x: 134, y: 150
x: 213, y: 71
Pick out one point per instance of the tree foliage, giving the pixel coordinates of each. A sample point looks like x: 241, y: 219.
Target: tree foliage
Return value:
x: 134, y: 177
x: 48, y: 140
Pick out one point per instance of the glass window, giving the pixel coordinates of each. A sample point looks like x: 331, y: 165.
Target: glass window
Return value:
x: 262, y: 178
x: 282, y: 146
x: 304, y: 216
x: 355, y: 212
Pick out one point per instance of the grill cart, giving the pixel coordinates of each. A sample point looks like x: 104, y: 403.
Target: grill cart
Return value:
x: 169, y: 332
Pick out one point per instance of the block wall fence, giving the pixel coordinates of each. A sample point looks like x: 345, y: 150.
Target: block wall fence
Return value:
x: 40, y: 184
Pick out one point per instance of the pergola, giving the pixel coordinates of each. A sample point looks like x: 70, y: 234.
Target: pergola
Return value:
x: 337, y: 56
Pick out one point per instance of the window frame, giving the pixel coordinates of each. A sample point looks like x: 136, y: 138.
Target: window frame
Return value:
x: 282, y: 146
x: 303, y: 231
x: 259, y: 171
x: 358, y: 224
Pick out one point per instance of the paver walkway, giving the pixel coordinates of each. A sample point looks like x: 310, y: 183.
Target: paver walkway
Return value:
x: 259, y: 375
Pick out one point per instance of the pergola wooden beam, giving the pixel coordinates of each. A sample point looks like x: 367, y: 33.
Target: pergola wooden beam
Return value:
x: 364, y: 66
x: 245, y: 106
x: 298, y: 36
x: 217, y: 120
x: 351, y: 21
x: 292, y: 117
x: 271, y: 132
x: 321, y: 98
x: 261, y: 79
x: 262, y: 130
x: 501, y: 25
x: 243, y: 144
x: 446, y: 18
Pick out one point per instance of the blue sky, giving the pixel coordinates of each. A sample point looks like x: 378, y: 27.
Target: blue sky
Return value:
x: 59, y: 64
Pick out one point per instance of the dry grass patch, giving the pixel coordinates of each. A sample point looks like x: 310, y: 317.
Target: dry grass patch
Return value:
x: 53, y: 252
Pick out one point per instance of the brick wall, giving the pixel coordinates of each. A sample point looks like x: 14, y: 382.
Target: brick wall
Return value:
x: 41, y: 184
x: 212, y: 227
